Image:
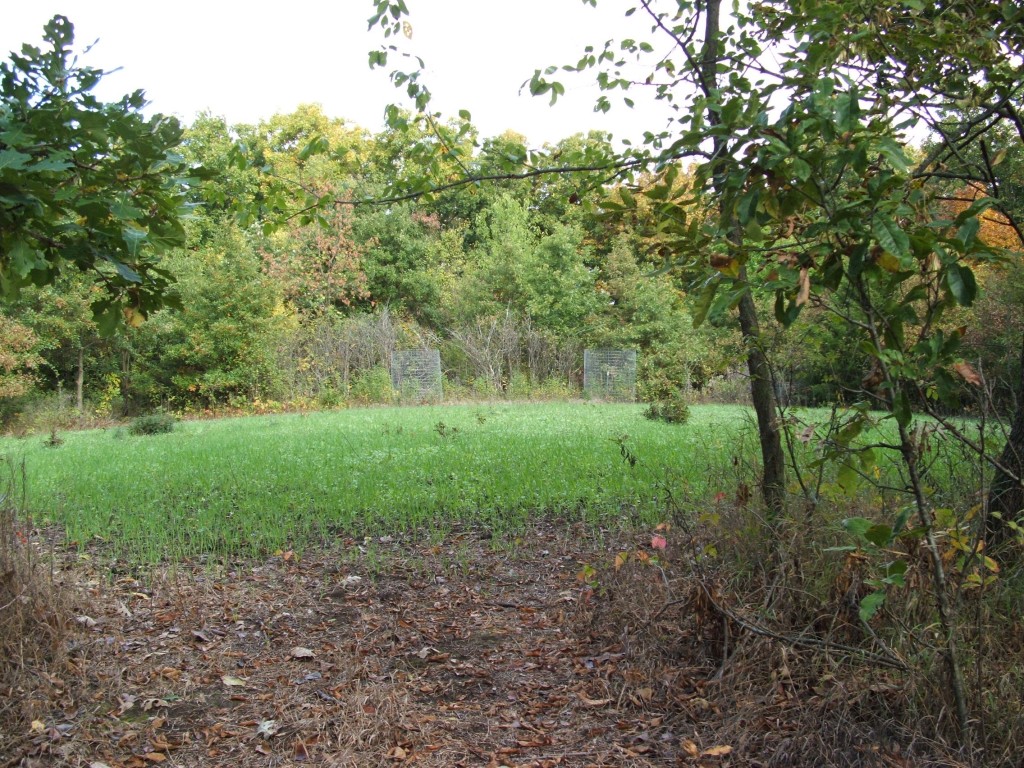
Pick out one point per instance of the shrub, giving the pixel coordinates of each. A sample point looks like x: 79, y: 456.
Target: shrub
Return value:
x: 373, y: 387
x: 672, y: 409
x: 152, y: 424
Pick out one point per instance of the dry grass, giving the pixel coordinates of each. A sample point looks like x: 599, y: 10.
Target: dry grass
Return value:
x: 34, y: 613
x: 755, y: 638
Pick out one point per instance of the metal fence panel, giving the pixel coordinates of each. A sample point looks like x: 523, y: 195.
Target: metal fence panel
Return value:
x: 610, y: 374
x: 416, y: 374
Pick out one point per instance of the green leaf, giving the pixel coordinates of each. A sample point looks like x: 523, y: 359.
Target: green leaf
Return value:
x: 747, y: 206
x: 962, y: 284
x: 894, y: 153
x: 889, y: 235
x: 125, y: 211
x: 870, y: 604
x: 801, y: 169
x: 12, y: 159
x: 126, y: 272
x: 880, y: 535
x: 895, y: 573
x: 24, y: 259
x: 56, y: 162
x: 705, y: 299
x: 968, y: 231
x: 847, y: 477
x: 134, y: 238
x: 857, y: 526
x: 901, y: 409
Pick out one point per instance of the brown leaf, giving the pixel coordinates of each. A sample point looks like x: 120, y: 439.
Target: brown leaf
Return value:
x: 720, y: 261
x: 397, y: 753
x: 967, y: 373
x: 155, y: 757
x: 169, y: 672
x: 690, y: 748
x: 717, y: 751
x: 804, y: 293
x: 298, y: 652
x: 593, y: 702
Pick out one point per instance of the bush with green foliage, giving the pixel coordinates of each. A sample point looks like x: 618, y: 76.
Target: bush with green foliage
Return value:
x: 373, y: 387
x: 672, y: 409
x: 152, y: 424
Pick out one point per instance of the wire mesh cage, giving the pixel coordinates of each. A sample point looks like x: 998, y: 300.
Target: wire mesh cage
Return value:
x: 610, y: 374
x: 416, y: 374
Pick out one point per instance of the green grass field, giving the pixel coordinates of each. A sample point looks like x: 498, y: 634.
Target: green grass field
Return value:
x: 262, y: 483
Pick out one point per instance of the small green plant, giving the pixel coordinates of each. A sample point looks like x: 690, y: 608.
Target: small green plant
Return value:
x: 444, y: 430
x: 672, y: 409
x: 152, y: 424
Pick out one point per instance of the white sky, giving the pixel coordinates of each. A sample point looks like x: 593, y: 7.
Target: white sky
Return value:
x: 247, y: 61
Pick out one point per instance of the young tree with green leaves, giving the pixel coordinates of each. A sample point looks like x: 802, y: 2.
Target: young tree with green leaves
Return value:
x: 85, y: 184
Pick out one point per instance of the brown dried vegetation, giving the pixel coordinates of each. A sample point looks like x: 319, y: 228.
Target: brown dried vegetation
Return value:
x: 564, y: 647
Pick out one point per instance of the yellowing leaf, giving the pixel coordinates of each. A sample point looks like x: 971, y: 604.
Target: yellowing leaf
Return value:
x: 233, y: 681
x: 133, y: 318
x: 620, y: 559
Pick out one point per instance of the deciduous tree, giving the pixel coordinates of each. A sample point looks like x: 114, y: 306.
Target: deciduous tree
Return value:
x: 86, y: 184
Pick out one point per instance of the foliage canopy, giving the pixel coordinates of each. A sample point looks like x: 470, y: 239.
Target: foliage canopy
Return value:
x: 83, y: 183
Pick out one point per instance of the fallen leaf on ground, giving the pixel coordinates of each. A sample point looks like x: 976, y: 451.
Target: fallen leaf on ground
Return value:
x: 593, y: 702
x: 716, y: 751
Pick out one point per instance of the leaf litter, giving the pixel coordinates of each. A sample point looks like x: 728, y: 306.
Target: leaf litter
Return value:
x: 461, y: 652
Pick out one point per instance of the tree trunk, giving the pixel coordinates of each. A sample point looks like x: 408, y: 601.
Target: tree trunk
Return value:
x: 762, y: 392
x: 1007, y: 495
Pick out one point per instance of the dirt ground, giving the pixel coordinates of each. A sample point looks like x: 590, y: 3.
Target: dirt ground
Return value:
x: 464, y: 651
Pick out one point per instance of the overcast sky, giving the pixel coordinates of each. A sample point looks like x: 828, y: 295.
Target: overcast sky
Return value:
x: 247, y: 61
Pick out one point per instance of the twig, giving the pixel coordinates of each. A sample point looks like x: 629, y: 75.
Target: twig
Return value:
x: 814, y: 642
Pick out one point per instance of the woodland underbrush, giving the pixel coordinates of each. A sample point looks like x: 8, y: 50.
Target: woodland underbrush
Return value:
x: 770, y: 625
x: 34, y: 612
